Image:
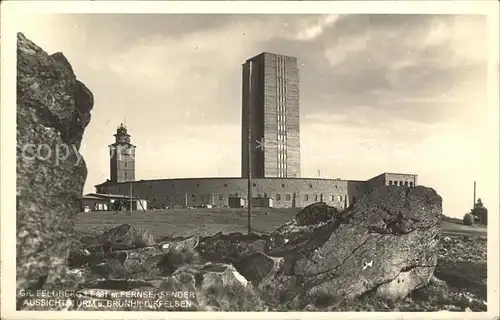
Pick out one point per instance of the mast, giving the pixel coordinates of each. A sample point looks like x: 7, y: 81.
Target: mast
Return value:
x: 250, y: 100
x: 130, y: 196
x: 474, y: 203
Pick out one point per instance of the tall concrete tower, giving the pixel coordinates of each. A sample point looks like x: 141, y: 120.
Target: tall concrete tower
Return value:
x: 270, y: 107
x: 122, y: 157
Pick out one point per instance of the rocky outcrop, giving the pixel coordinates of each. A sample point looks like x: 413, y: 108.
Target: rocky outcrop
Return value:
x: 53, y: 109
x: 379, y: 249
x: 384, y: 246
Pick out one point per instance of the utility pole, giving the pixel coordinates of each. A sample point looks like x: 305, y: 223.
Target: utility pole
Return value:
x: 130, y: 196
x: 250, y: 149
x: 474, y: 203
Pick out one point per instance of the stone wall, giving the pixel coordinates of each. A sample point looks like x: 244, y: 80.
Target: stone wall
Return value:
x: 216, y: 191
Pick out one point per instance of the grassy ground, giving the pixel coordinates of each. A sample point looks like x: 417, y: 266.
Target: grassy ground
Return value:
x: 204, y: 222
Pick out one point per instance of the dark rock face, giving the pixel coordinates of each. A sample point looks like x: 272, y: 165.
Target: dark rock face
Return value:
x: 385, y: 245
x: 315, y: 213
x: 121, y: 237
x: 53, y: 109
x: 231, y: 248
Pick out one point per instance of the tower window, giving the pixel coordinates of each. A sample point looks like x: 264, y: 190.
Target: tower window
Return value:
x: 278, y: 197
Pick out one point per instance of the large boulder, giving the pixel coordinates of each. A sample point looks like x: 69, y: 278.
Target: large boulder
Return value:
x: 53, y: 109
x: 231, y: 248
x: 315, y: 213
x: 383, y: 246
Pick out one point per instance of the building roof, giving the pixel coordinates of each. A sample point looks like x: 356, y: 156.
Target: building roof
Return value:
x: 270, y: 53
x: 91, y: 197
x: 108, y: 196
x: 108, y: 182
x: 222, y: 178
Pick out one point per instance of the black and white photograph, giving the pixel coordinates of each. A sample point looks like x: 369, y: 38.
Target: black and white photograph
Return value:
x: 273, y: 157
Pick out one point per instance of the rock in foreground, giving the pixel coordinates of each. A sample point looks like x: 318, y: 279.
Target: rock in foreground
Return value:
x: 384, y: 246
x: 53, y: 109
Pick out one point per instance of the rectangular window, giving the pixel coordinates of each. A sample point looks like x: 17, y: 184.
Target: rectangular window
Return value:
x: 306, y: 197
x: 193, y: 197
x: 278, y: 197
x: 340, y: 198
x: 221, y: 197
x: 288, y: 197
x: 168, y: 198
x: 316, y: 198
x: 333, y: 198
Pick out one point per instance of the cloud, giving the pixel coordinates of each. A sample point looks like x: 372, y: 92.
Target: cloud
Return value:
x: 378, y: 92
x: 427, y: 67
x: 312, y: 31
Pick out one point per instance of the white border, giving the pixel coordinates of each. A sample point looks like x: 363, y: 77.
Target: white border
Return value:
x: 8, y: 134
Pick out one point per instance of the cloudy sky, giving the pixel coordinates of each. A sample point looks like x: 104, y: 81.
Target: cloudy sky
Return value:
x: 379, y: 93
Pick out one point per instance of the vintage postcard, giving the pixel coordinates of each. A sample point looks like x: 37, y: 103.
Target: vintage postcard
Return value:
x: 281, y: 160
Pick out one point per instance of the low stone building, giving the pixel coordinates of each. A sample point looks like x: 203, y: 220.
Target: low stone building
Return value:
x: 285, y: 192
